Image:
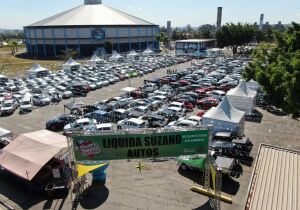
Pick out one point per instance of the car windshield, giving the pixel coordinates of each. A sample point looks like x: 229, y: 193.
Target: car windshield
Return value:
x: 25, y: 103
x: 7, y: 105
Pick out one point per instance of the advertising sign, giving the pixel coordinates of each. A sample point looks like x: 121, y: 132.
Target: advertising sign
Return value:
x: 98, y: 34
x: 139, y: 146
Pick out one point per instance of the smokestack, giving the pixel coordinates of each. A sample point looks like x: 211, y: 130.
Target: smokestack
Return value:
x: 219, y: 18
x: 261, y: 22
x: 169, y: 32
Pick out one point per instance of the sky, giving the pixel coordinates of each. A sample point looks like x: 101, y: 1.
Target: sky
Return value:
x: 18, y: 13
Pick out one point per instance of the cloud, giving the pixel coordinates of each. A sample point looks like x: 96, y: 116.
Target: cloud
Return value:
x: 139, y: 8
x: 298, y: 14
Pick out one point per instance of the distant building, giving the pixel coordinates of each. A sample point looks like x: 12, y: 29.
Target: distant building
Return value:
x: 194, y: 45
x: 169, y: 32
x: 261, y: 21
x: 219, y: 18
x: 86, y: 28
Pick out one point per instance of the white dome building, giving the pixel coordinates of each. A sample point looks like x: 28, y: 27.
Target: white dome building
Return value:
x: 86, y: 28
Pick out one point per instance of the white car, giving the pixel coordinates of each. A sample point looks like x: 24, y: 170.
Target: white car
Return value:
x: 191, y: 118
x: 67, y: 94
x: 139, y: 111
x: 80, y: 125
x: 40, y: 100
x: 104, y: 127
x: 25, y: 105
x: 132, y: 123
x: 179, y: 112
x: 182, y: 123
x: 8, y: 107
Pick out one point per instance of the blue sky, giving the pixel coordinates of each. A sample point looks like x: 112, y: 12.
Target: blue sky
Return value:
x: 19, y: 13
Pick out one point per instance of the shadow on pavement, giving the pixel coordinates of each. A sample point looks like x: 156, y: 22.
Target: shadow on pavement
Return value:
x: 229, y: 185
x: 96, y: 196
x: 205, y: 206
x: 194, y: 175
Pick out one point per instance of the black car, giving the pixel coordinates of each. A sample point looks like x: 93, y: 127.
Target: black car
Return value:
x: 231, y: 150
x: 58, y: 123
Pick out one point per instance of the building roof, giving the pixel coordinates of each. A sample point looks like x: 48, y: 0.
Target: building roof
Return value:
x: 92, y: 14
x: 196, y: 40
x: 28, y: 153
x: 275, y: 180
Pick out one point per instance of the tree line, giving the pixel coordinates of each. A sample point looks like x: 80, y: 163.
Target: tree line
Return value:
x: 276, y: 66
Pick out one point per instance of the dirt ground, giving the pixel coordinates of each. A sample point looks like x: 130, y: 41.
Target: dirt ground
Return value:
x: 161, y: 185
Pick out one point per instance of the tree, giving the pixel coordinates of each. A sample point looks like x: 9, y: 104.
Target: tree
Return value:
x: 108, y: 46
x: 14, y: 47
x: 162, y: 37
x: 276, y: 66
x: 235, y: 35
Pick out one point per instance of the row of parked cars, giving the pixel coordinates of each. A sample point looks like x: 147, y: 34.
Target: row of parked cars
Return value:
x: 167, y: 103
x: 164, y: 102
x: 52, y: 87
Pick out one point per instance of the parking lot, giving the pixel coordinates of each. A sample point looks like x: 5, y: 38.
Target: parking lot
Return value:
x: 40, y: 115
x: 161, y: 185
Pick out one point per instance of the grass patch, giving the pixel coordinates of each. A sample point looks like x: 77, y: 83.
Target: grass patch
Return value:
x: 14, y: 66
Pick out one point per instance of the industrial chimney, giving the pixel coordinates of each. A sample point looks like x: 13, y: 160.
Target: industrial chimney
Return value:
x: 219, y: 18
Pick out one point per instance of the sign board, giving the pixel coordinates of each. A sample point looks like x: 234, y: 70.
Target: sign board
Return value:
x: 98, y: 34
x: 140, y: 146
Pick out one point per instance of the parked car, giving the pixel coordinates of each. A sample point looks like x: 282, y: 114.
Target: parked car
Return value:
x: 59, y: 122
x: 99, y: 115
x: 186, y: 163
x: 207, y: 103
x: 25, y: 106
x: 40, y: 100
x: 104, y: 127
x: 155, y: 120
x: 132, y: 123
x: 79, y: 125
x: 8, y: 107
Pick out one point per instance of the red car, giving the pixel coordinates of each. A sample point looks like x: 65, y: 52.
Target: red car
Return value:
x: 207, y: 103
x: 201, y: 113
x: 188, y: 105
x: 201, y: 93
x: 184, y: 82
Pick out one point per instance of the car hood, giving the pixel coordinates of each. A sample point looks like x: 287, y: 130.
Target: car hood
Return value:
x: 26, y: 106
x: 67, y: 127
x: 6, y: 108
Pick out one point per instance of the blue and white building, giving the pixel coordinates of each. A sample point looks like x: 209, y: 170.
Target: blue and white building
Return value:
x: 86, y: 28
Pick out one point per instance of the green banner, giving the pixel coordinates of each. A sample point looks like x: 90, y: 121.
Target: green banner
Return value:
x: 139, y: 146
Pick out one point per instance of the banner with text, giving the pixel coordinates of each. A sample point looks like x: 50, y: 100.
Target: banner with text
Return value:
x: 139, y: 146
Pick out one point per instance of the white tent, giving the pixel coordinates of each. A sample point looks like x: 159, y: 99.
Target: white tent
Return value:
x: 242, y: 97
x: 37, y: 71
x: 115, y: 57
x: 253, y: 85
x: 224, y: 118
x: 147, y: 52
x: 71, y: 65
x: 132, y: 55
x: 95, y: 60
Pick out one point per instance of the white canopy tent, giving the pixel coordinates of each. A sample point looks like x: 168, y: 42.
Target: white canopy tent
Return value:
x: 95, y: 60
x: 253, y: 85
x: 37, y: 71
x: 132, y: 55
x: 115, y: 56
x: 71, y: 65
x: 242, y: 97
x: 148, y: 52
x: 225, y: 118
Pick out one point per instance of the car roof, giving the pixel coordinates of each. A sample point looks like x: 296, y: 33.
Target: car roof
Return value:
x: 177, y: 103
x: 188, y: 122
x: 104, y: 125
x: 135, y: 120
